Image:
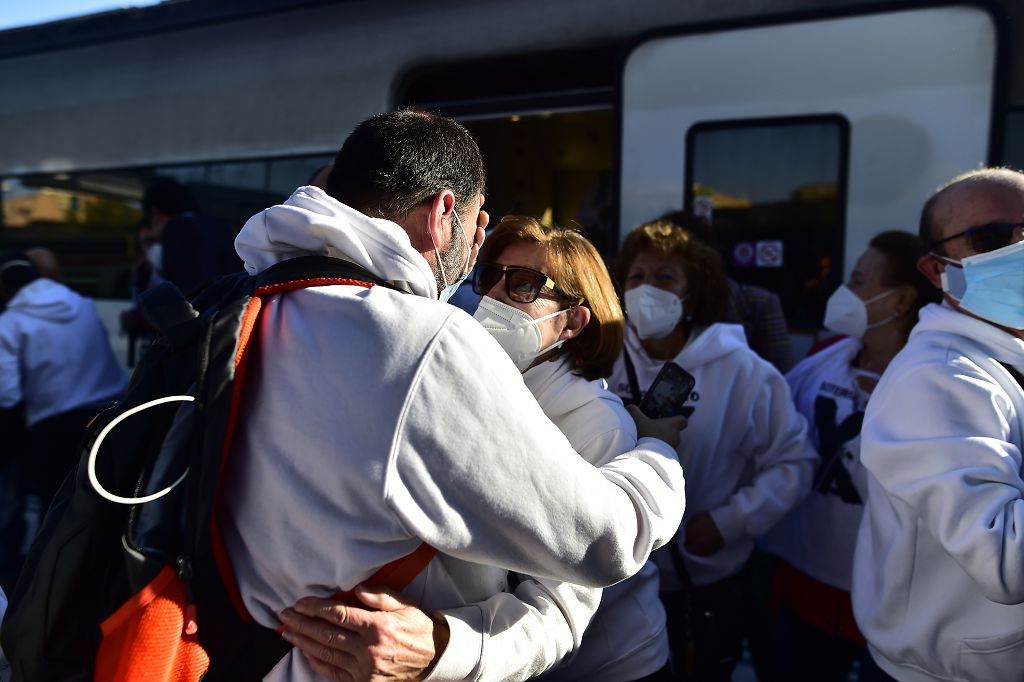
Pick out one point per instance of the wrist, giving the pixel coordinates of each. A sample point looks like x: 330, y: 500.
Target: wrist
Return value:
x: 441, y: 635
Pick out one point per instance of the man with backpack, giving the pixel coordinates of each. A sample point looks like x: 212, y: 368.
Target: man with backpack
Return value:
x: 379, y: 422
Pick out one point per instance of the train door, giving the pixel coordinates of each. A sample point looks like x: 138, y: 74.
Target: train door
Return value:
x: 803, y: 140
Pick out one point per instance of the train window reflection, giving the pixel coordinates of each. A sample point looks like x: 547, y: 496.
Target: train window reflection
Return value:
x: 774, y: 190
x: 90, y: 218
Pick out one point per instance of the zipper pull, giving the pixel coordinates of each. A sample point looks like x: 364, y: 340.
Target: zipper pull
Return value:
x: 191, y: 625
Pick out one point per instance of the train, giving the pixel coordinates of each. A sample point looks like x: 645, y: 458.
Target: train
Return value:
x: 799, y: 128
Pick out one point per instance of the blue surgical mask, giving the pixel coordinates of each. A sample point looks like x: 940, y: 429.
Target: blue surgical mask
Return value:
x: 989, y: 285
x: 450, y: 289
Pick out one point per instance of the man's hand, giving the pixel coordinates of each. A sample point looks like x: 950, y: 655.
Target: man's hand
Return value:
x: 702, y: 536
x: 666, y: 429
x: 389, y: 640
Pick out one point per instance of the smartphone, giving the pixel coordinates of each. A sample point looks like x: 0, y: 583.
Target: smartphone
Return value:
x: 669, y: 391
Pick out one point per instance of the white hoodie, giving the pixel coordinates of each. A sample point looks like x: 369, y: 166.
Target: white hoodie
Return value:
x: 819, y: 535
x: 938, y: 578
x: 54, y: 353
x: 379, y: 420
x: 544, y: 619
x: 745, y: 450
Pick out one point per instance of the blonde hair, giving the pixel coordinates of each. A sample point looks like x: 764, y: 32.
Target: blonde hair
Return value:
x: 576, y: 267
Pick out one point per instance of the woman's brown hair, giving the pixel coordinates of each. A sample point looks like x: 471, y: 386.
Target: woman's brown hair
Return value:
x: 576, y: 267
x: 705, y: 279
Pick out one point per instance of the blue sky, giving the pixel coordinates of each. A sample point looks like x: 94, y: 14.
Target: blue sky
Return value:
x: 25, y: 13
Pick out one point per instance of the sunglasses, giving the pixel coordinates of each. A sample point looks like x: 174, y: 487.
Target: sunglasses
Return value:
x: 522, y: 285
x: 985, y: 238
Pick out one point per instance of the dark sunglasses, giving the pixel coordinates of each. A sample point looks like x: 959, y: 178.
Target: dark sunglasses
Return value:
x: 522, y: 285
x: 985, y: 238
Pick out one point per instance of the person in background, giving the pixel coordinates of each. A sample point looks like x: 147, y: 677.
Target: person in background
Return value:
x: 55, y: 361
x: 183, y: 246
x: 757, y: 309
x: 549, y: 302
x: 812, y: 633
x: 938, y: 572
x: 745, y: 452
x: 46, y: 262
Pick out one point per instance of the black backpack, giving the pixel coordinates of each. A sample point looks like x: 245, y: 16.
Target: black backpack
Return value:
x: 98, y: 562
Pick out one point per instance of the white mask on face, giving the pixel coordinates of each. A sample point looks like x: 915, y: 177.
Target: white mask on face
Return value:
x: 653, y: 312
x: 847, y: 314
x: 449, y: 289
x: 514, y: 330
x: 155, y: 255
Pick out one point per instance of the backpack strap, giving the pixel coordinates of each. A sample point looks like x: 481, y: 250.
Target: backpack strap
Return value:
x: 314, y: 271
x: 634, y: 385
x: 267, y: 647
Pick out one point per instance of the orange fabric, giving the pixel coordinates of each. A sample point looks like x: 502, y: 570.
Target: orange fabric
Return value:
x: 312, y: 282
x: 245, y: 335
x: 825, y: 607
x: 145, y: 640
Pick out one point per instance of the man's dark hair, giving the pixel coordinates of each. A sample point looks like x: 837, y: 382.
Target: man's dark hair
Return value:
x: 901, y: 251
x: 393, y: 162
x: 170, y: 197
x: 16, y: 270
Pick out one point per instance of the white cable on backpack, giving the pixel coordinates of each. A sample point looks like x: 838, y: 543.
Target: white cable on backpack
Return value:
x: 103, y: 492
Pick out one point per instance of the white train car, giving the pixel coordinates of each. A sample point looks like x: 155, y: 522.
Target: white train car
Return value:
x: 804, y: 126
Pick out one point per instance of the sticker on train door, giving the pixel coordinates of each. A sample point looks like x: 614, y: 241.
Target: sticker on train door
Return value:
x: 769, y: 254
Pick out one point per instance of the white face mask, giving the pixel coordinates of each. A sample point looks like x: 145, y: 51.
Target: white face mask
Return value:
x: 514, y: 330
x: 155, y: 255
x: 449, y: 289
x: 653, y: 312
x: 847, y: 314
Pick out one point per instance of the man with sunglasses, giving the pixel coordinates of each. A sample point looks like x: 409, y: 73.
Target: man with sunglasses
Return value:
x: 938, y: 582
x: 383, y: 424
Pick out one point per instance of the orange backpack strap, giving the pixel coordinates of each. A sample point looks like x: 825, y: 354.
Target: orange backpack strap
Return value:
x: 396, y: 575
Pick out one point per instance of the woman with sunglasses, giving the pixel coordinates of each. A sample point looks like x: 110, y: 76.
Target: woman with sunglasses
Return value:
x: 745, y: 451
x: 548, y: 300
x: 812, y: 633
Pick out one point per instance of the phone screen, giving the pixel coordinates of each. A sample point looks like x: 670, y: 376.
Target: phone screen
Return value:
x: 669, y: 391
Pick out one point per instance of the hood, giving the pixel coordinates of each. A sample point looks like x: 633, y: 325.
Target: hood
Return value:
x: 557, y: 389
x: 311, y: 223
x: 943, y: 318
x: 46, y: 300
x: 706, y: 344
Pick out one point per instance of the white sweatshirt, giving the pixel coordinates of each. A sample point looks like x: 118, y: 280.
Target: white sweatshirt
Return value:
x: 819, y: 535
x: 938, y: 579
x: 54, y: 353
x: 745, y: 450
x: 543, y: 620
x: 379, y: 420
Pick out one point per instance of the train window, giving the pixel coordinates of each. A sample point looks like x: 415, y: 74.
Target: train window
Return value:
x: 555, y: 166
x: 89, y: 218
x: 285, y: 175
x: 774, y: 190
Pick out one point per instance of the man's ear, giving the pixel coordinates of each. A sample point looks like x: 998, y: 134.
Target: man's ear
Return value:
x: 932, y: 268
x: 440, y: 206
x: 578, y: 319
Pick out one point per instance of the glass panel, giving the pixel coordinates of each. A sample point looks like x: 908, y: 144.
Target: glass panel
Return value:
x: 288, y: 174
x: 552, y: 166
x: 774, y: 192
x: 87, y: 219
x: 234, y: 191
